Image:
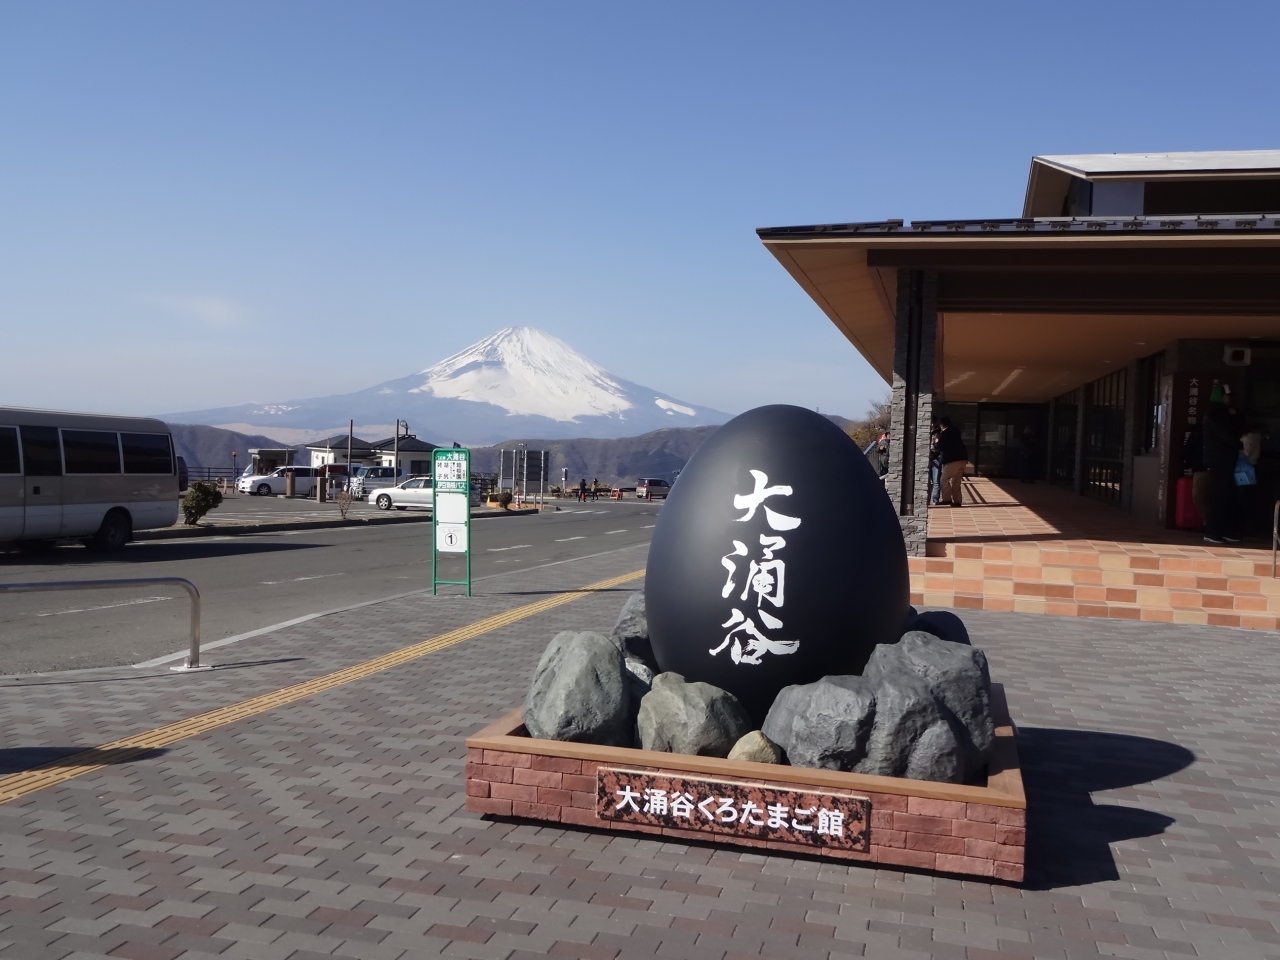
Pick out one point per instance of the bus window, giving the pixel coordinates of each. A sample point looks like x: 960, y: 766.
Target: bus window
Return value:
x: 40, y: 453
x: 146, y: 453
x: 9, y: 450
x: 91, y: 451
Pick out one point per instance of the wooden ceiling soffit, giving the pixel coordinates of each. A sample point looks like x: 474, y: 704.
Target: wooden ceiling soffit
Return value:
x: 854, y: 298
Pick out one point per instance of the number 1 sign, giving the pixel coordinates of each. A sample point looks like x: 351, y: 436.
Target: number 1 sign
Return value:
x: 451, y: 511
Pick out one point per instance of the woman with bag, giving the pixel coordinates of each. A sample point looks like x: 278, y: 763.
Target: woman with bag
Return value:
x: 1222, y: 452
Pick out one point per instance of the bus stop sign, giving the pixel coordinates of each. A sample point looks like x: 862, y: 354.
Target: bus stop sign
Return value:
x: 451, y: 511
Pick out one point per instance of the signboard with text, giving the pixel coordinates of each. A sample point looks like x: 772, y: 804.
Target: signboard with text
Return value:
x: 814, y: 817
x: 451, y: 511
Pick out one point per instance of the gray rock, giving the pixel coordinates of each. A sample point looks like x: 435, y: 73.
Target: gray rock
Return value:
x: 957, y: 676
x: 913, y: 734
x: 691, y: 718
x: 631, y: 632
x: 825, y: 724
x: 639, y: 679
x: 943, y: 624
x: 757, y: 748
x: 937, y: 755
x: 579, y: 692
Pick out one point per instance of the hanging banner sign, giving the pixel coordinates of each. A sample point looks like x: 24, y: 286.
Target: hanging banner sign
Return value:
x: 451, y: 510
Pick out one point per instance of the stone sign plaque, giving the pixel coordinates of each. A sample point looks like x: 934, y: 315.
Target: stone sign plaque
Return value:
x: 729, y: 807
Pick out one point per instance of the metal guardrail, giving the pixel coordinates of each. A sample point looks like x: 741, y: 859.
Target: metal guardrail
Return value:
x: 193, y: 655
x: 1275, y: 537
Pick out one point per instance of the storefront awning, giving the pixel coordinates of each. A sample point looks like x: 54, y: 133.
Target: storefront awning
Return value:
x: 1029, y: 308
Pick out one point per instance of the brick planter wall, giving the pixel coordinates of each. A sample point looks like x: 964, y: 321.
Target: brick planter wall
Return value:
x: 978, y: 831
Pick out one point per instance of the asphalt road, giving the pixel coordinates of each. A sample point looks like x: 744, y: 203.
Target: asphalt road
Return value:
x: 250, y: 582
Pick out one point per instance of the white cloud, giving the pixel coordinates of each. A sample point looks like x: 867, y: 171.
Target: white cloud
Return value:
x: 214, y: 312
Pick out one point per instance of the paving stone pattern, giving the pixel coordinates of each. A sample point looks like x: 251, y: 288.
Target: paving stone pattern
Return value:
x: 335, y: 826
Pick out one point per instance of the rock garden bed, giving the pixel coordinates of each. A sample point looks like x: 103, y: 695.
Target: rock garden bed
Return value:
x: 913, y: 762
x: 953, y: 828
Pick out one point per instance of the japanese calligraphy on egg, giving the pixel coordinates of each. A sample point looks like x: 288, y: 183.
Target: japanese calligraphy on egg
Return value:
x: 730, y: 807
x: 757, y: 566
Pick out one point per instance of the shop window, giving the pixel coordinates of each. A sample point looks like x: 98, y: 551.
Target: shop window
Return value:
x: 1066, y: 413
x: 1104, y: 437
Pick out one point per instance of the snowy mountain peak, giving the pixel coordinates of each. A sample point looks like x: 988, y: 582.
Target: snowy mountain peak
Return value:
x: 526, y: 371
x: 520, y: 382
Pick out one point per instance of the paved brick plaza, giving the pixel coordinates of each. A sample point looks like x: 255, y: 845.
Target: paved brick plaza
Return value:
x: 335, y: 826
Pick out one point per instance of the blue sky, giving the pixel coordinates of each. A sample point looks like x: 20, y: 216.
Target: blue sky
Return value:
x: 205, y: 204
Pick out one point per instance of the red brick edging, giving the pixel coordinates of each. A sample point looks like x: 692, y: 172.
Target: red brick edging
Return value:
x: 952, y: 828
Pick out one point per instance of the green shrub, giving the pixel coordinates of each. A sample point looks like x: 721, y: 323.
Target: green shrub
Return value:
x: 504, y: 499
x: 201, y: 497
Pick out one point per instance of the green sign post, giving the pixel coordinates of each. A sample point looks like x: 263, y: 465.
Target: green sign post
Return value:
x: 451, y: 511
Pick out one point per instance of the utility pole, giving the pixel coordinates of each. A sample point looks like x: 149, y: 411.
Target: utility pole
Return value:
x: 395, y: 450
x: 351, y: 426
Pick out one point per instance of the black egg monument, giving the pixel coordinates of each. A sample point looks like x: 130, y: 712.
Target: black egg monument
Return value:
x: 776, y: 560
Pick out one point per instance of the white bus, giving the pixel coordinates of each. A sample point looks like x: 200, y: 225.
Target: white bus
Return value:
x: 81, y: 476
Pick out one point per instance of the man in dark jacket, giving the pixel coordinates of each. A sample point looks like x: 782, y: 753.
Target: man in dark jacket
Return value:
x: 1222, y: 446
x: 953, y: 455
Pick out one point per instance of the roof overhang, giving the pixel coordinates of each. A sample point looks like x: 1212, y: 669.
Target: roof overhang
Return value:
x: 1028, y: 309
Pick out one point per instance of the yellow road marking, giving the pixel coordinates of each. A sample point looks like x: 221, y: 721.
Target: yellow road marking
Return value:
x: 15, y: 785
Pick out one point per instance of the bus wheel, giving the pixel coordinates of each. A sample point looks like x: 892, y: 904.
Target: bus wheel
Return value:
x: 114, y: 532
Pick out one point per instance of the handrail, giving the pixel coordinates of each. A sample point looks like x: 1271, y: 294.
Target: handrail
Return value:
x: 193, y: 656
x: 1275, y: 537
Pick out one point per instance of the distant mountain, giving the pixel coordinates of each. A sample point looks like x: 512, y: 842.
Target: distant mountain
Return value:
x: 618, y: 462
x: 518, y: 382
x: 203, y: 446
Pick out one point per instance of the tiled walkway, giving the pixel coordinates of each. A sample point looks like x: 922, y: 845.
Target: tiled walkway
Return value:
x: 1033, y: 548
x: 335, y: 827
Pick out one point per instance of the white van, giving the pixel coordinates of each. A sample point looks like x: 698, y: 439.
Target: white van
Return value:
x: 82, y: 476
x: 276, y: 482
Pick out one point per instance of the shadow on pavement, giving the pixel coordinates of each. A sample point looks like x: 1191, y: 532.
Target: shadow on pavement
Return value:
x: 1069, y: 836
x: 133, y: 676
x: 20, y: 759
x: 168, y: 550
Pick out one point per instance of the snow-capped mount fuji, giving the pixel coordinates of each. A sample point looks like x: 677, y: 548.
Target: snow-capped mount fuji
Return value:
x: 520, y: 381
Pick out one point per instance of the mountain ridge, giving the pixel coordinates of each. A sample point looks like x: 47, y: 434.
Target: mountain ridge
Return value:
x: 519, y: 381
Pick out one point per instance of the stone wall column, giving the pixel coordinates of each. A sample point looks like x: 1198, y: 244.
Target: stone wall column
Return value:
x: 915, y: 338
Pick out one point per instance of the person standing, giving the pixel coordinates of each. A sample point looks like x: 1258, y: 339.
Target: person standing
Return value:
x: 882, y: 448
x: 953, y: 455
x: 935, y: 465
x: 1221, y: 450
x: 582, y: 491
x: 595, y: 489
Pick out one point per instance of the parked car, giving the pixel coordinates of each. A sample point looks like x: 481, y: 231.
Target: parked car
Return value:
x: 275, y: 483
x: 368, y: 479
x: 652, y: 488
x: 414, y: 492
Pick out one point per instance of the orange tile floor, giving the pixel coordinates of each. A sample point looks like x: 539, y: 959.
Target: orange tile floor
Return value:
x: 1034, y: 548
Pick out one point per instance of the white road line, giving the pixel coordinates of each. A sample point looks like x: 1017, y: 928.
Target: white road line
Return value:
x: 648, y: 526
x: 609, y: 532
x: 105, y: 606
x: 318, y: 576
x: 567, y: 539
x: 518, y: 546
x: 225, y: 641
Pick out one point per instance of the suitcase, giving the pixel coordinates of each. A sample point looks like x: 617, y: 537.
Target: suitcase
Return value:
x: 1186, y: 516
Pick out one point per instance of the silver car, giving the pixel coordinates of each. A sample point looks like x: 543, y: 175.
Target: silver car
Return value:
x: 414, y: 492
x: 369, y: 479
